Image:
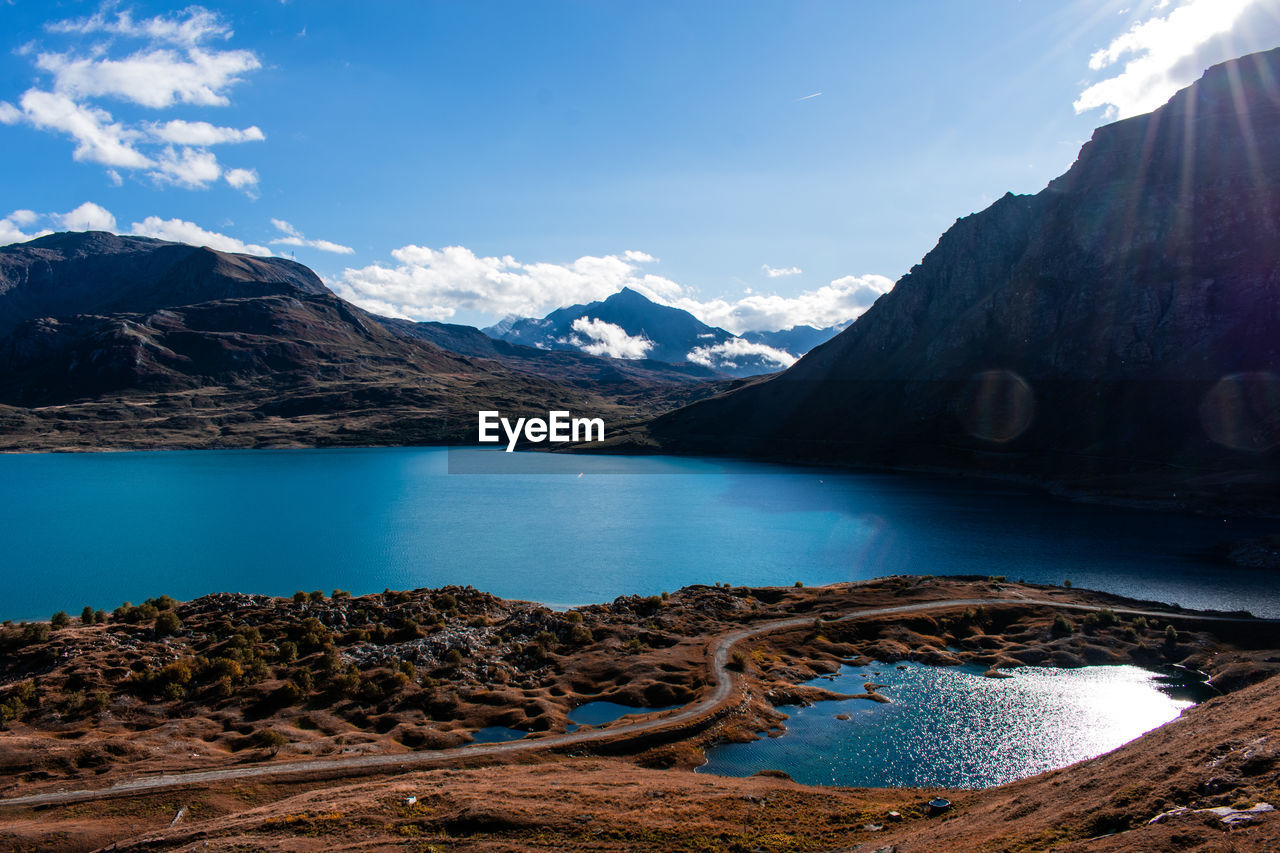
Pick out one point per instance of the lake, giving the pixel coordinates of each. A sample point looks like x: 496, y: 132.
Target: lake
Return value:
x: 950, y: 726
x: 102, y: 528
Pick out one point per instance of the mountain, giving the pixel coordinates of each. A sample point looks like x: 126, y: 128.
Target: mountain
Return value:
x: 99, y: 273
x: 797, y: 340
x: 642, y: 382
x: 1117, y: 332
x: 643, y: 329
x: 132, y: 342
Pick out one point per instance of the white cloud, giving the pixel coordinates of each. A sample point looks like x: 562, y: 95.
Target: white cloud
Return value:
x: 198, y: 26
x: 1162, y: 56
x: 839, y: 302
x: 736, y: 352
x: 86, y: 217
x: 779, y: 272
x: 11, y: 227
x: 434, y: 284
x: 191, y: 167
x: 242, y: 179
x: 152, y: 78
x: 172, y: 66
x: 294, y: 237
x: 99, y: 138
x: 203, y: 133
x: 93, y: 217
x: 609, y: 339
x: 181, y: 231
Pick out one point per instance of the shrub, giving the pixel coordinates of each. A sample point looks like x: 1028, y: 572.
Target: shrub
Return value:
x: 453, y: 657
x: 799, y: 584
x: 168, y: 624
x: 37, y: 632
x: 288, y: 694
x: 60, y: 619
x: 580, y: 635
x: 299, y: 597
x: 163, y: 602
x: 739, y: 660
x: 1062, y: 626
x: 317, y: 595
x: 1170, y: 635
x: 100, y: 617
x: 133, y: 614
x: 1066, y: 584
x: 270, y: 738
x: 87, y: 616
x: 287, y: 651
x: 340, y: 594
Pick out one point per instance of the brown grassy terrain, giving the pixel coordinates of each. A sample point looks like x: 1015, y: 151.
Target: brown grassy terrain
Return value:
x: 231, y: 680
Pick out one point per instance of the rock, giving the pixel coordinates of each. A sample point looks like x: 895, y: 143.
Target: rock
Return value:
x: 1172, y: 813
x: 1230, y: 817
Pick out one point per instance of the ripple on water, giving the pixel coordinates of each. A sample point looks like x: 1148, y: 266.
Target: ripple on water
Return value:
x: 953, y: 727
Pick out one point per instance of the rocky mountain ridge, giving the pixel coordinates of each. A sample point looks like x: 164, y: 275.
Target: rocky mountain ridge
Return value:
x: 1118, y: 331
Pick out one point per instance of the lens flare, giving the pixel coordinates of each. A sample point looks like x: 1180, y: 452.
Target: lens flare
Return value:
x: 1242, y: 411
x: 997, y: 406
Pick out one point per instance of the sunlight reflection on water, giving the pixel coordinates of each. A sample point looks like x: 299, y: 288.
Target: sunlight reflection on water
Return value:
x: 952, y: 726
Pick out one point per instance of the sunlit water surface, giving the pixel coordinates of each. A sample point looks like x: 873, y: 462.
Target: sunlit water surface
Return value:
x: 953, y: 727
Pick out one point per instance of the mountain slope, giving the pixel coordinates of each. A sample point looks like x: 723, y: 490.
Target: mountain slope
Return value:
x: 99, y: 273
x: 1118, y: 331
x: 646, y: 383
x: 131, y: 342
x: 662, y: 332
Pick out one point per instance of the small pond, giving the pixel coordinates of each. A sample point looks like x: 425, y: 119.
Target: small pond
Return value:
x: 954, y: 727
x: 496, y: 734
x: 600, y: 712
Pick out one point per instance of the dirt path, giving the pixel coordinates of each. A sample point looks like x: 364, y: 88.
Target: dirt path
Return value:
x: 695, y: 712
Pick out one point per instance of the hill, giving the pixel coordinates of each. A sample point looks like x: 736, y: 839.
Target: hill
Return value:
x: 111, y: 341
x: 1115, y: 333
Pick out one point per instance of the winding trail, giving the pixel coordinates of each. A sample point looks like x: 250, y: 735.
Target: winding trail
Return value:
x: 694, y: 713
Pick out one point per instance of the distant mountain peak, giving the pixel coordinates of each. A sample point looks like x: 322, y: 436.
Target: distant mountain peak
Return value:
x: 676, y: 335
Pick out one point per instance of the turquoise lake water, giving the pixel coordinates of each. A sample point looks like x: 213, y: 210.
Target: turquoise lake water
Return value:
x: 951, y: 726
x: 102, y: 528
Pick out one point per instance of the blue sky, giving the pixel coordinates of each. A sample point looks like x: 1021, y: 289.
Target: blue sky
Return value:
x: 760, y: 163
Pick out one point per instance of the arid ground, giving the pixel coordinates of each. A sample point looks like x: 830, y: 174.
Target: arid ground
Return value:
x: 251, y: 688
